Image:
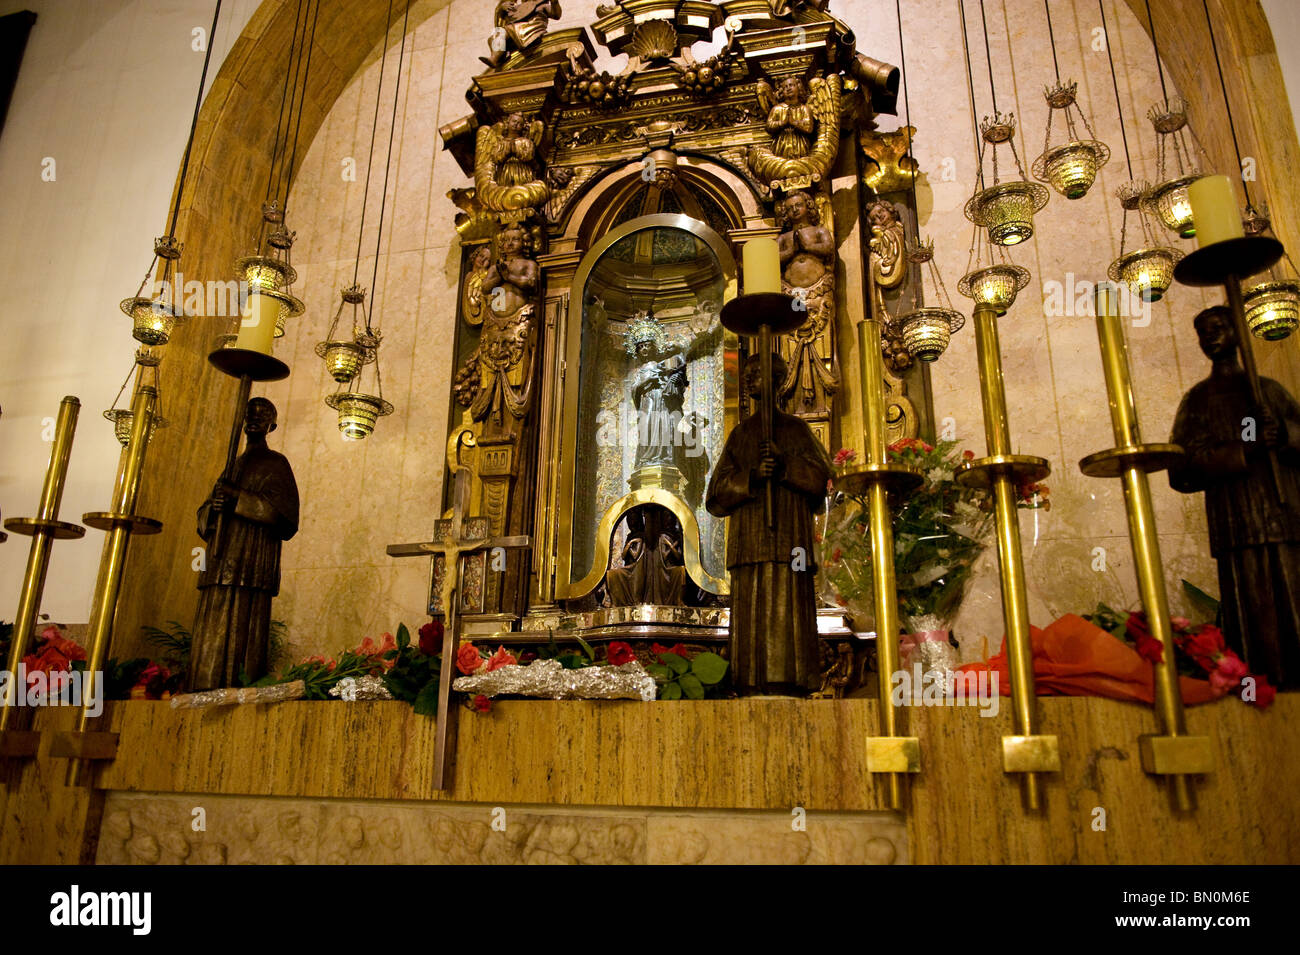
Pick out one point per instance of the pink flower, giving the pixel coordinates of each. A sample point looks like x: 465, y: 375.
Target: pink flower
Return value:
x: 1228, y: 671
x: 844, y: 456
x: 501, y: 658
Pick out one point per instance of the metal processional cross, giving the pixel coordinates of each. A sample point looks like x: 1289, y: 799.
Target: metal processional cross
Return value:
x: 453, y: 538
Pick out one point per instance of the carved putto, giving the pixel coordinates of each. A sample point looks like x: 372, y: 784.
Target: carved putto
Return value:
x: 803, y: 123
x: 507, y: 169
x: 499, y: 294
x: 520, y: 26
x: 807, y: 250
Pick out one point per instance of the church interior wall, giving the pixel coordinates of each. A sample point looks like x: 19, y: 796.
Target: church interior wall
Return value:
x: 338, y: 584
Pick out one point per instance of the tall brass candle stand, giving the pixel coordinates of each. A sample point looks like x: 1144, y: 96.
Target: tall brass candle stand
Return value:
x: 120, y: 523
x: 44, y: 530
x: 889, y: 753
x: 1173, y: 754
x: 1026, y: 753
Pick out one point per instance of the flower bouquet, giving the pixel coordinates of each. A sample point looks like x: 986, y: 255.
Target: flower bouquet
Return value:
x: 1199, y: 652
x: 939, y: 533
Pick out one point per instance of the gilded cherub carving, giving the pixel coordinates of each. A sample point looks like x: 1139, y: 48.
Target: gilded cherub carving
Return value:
x: 508, y: 176
x: 807, y: 250
x: 803, y: 122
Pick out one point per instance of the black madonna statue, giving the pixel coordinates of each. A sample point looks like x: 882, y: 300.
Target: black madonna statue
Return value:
x: 243, y: 523
x: 1254, y: 536
x: 774, y: 648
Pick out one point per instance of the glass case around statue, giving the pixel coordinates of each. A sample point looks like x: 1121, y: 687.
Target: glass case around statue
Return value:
x: 656, y: 395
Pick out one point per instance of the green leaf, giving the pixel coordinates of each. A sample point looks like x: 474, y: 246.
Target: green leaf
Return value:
x: 660, y: 672
x: 670, y: 691
x: 426, y: 702
x: 403, y: 637
x: 572, y: 661
x: 691, y: 686
x: 586, y: 648
x: 1201, y: 599
x: 709, y: 668
x: 677, y: 664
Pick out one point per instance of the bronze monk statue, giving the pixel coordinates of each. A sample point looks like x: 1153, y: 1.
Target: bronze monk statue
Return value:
x: 243, y: 523
x: 1254, y: 537
x: 774, y: 646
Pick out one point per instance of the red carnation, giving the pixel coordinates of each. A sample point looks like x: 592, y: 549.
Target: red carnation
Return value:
x: 1264, y: 693
x: 1149, y: 648
x: 431, y: 638
x: 480, y: 704
x: 619, y: 653
x: 1228, y: 671
x: 844, y: 456
x: 1204, y: 645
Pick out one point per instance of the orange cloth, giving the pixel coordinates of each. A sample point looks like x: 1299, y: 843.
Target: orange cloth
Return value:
x: 1074, y: 658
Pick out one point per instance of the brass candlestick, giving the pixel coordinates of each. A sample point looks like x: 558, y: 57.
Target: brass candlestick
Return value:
x: 120, y: 523
x: 44, y: 530
x: 1174, y: 754
x: 1027, y: 752
x: 889, y: 753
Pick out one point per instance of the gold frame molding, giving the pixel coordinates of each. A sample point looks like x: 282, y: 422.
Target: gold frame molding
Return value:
x: 566, y: 588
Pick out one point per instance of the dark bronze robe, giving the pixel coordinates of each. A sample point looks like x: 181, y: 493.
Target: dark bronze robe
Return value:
x: 232, y: 627
x: 774, y: 646
x: 1255, y: 541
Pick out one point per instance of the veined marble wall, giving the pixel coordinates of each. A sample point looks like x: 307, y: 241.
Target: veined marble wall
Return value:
x: 339, y: 585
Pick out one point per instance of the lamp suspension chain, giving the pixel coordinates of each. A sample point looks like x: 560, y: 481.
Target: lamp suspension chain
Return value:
x: 1227, y: 106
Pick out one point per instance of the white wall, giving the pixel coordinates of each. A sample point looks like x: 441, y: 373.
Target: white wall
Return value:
x: 107, y: 90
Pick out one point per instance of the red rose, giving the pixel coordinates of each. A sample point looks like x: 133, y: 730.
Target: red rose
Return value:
x: 1149, y: 648
x: 501, y: 658
x: 659, y: 649
x: 431, y: 638
x: 619, y: 653
x: 968, y: 455
x: 480, y: 704
x: 467, y: 659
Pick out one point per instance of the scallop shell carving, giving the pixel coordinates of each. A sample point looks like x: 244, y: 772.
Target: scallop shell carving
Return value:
x: 654, y: 40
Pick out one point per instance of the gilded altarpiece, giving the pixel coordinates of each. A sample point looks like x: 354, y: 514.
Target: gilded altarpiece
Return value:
x: 595, y: 384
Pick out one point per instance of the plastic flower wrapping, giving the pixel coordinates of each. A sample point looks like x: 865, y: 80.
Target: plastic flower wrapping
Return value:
x: 940, y: 531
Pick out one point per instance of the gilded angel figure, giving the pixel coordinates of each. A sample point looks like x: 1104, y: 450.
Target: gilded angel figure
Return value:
x: 507, y: 173
x: 803, y: 123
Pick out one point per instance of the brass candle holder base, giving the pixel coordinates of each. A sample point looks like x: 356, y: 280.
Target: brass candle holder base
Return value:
x: 1031, y: 754
x: 246, y: 363
x: 984, y: 472
x: 19, y: 744
x: 1148, y: 458
x: 1176, y: 755
x: 896, y: 478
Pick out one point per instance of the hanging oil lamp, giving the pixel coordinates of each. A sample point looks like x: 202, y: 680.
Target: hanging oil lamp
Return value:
x: 927, y: 330
x: 344, y: 357
x: 145, y: 359
x: 1148, y: 270
x: 1070, y: 168
x: 1005, y: 209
